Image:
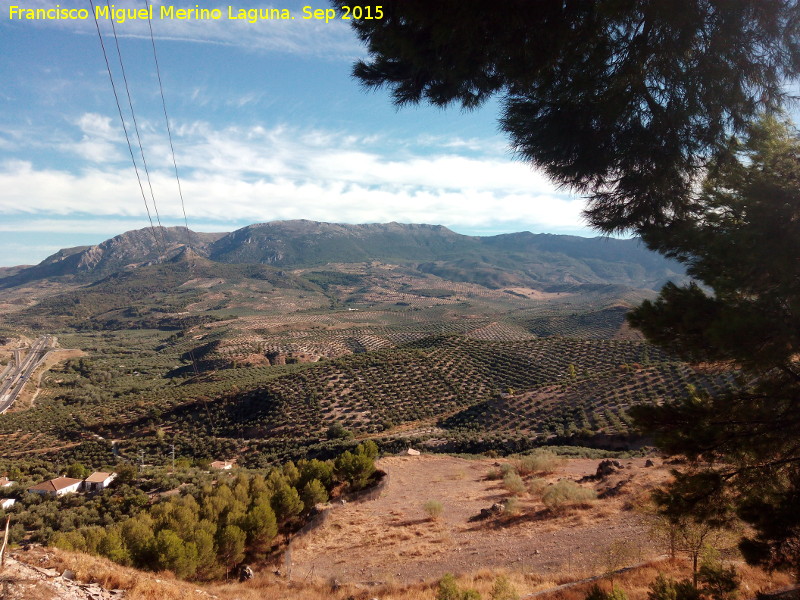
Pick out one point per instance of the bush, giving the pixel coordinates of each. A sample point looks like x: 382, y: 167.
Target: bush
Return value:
x: 448, y: 590
x: 511, y: 506
x: 513, y: 483
x: 597, y: 593
x: 718, y: 581
x: 537, y: 486
x: 337, y: 431
x: 434, y: 509
x: 494, y: 475
x: 540, y: 462
x: 565, y: 494
x: 503, y: 590
x: 666, y: 588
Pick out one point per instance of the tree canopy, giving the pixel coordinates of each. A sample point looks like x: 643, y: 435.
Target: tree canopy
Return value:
x: 623, y: 100
x: 741, y: 240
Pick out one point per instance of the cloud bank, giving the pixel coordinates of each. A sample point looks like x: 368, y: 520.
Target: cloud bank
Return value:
x: 250, y: 174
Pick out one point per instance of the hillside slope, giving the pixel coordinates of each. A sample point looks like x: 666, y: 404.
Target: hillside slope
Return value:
x: 512, y: 259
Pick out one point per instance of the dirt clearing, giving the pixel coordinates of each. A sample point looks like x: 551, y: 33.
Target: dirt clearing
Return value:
x: 392, y: 539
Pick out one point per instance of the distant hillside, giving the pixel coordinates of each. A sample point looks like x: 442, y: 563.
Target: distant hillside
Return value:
x: 126, y: 251
x: 150, y: 296
x: 504, y: 260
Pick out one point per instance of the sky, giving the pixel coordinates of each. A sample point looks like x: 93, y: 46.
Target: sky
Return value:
x: 267, y: 124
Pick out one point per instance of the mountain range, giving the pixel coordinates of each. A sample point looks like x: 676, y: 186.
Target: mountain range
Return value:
x: 524, y: 258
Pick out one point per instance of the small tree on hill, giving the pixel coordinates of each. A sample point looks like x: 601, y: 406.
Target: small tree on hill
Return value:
x: 313, y: 493
x: 231, y: 544
x: 286, y: 502
x: 355, y: 469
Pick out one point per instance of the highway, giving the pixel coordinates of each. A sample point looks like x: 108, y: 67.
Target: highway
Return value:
x: 16, y: 375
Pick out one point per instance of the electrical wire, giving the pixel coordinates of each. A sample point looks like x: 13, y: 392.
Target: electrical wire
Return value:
x: 122, y: 120
x: 166, y: 118
x: 136, y: 129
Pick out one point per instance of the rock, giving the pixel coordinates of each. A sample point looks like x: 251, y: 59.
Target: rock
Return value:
x: 607, y: 467
x: 649, y: 463
x: 68, y: 575
x: 335, y: 585
x: 497, y: 508
x: 245, y: 573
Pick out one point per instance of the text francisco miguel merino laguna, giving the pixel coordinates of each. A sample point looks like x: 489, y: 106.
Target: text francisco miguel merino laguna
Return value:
x: 120, y: 15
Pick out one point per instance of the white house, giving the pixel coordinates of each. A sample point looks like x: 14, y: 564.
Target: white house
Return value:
x: 6, y: 482
x: 57, y: 487
x: 222, y: 464
x: 98, y: 481
x: 6, y: 503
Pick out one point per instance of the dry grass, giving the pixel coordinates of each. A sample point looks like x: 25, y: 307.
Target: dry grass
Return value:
x: 265, y: 586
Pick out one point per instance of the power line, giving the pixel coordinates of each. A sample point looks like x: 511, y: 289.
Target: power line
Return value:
x: 136, y: 129
x: 166, y: 118
x: 122, y: 120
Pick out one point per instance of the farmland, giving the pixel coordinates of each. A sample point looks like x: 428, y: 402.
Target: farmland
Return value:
x: 493, y: 371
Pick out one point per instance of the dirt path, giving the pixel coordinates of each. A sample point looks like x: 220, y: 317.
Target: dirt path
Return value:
x: 391, y: 539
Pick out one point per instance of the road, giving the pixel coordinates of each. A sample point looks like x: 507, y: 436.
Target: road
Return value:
x: 16, y: 375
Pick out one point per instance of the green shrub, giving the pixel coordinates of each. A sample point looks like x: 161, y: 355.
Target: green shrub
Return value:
x: 448, y: 590
x: 511, y: 506
x: 540, y: 462
x: 718, y: 581
x: 666, y: 588
x: 537, y: 486
x: 513, y: 483
x: 597, y: 593
x: 337, y: 431
x: 565, y: 494
x: 503, y: 590
x: 433, y: 508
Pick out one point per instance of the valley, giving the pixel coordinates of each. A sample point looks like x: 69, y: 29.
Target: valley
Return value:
x: 247, y: 347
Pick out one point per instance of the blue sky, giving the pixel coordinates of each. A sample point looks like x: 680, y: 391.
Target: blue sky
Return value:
x: 267, y: 124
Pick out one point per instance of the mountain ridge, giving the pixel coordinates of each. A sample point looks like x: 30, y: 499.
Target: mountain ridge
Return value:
x: 522, y: 258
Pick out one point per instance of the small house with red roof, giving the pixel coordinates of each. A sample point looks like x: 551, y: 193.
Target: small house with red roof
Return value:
x: 57, y: 487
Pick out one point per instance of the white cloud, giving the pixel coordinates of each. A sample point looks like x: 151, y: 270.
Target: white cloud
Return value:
x: 99, y: 139
x: 249, y: 174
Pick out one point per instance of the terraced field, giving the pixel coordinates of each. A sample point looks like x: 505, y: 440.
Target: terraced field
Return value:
x: 264, y: 364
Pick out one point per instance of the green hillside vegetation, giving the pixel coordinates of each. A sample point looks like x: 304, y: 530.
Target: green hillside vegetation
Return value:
x: 250, y: 358
x: 195, y: 523
x: 447, y: 392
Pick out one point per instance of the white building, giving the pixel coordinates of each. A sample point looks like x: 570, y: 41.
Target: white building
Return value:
x: 57, y: 487
x: 6, y: 503
x: 222, y: 464
x: 98, y: 481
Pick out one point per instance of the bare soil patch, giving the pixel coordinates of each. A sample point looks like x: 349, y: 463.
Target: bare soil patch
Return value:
x: 391, y: 539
